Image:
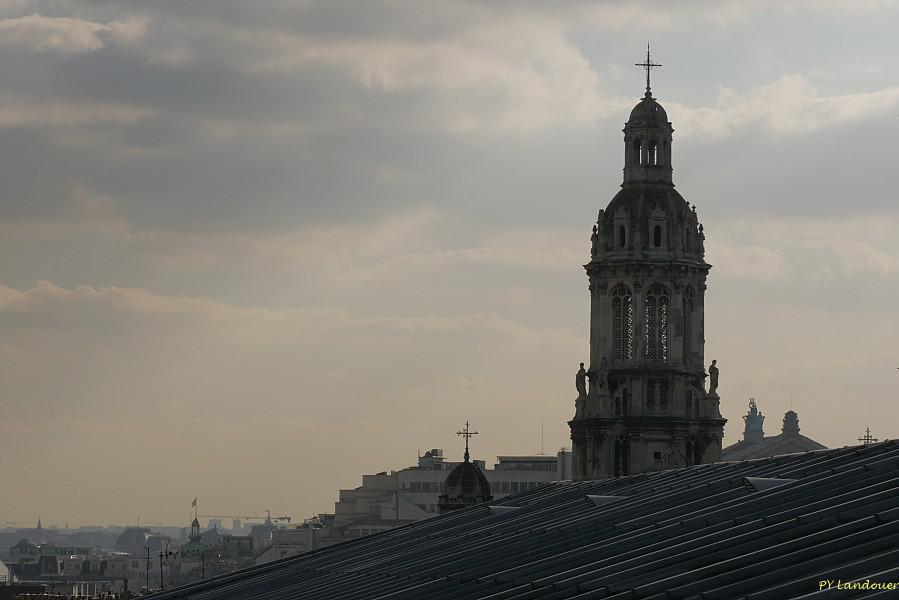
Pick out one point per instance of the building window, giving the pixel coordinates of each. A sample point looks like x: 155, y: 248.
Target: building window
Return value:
x: 653, y: 153
x: 621, y: 228
x: 622, y: 324
x: 655, y: 321
x: 657, y: 393
x: 638, y: 151
x: 658, y: 224
x: 688, y: 322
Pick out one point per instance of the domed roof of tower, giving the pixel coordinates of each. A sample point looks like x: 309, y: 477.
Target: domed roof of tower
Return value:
x: 648, y: 113
x: 640, y: 206
x: 466, y: 485
x: 641, y: 202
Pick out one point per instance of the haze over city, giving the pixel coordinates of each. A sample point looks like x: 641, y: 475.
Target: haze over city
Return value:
x: 248, y: 255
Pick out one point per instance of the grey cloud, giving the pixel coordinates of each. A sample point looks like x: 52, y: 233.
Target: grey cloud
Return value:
x: 65, y: 35
x: 253, y: 215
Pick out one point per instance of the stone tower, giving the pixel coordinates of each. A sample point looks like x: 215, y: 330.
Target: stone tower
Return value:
x: 646, y: 408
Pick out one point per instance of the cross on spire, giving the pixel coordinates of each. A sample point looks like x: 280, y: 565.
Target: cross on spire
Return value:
x: 648, y: 65
x: 867, y: 439
x: 466, y: 433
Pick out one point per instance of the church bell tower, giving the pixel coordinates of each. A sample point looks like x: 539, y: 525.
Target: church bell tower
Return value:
x: 646, y: 407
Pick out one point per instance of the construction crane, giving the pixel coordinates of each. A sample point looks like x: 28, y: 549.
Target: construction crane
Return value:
x: 268, y: 517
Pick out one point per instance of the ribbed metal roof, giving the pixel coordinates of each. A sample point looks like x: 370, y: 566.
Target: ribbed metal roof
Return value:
x: 699, y: 532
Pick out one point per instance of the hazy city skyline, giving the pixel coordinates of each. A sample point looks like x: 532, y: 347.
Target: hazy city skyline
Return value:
x: 249, y: 253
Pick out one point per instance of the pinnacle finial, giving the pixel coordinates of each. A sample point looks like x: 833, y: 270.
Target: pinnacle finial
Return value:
x: 648, y: 65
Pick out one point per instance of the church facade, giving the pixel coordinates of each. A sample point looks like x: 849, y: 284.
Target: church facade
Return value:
x: 642, y: 404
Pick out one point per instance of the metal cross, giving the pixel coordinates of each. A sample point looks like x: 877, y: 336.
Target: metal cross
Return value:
x: 466, y: 433
x: 867, y: 439
x: 648, y: 65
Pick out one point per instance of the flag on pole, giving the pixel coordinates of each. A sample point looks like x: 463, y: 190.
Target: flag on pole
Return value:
x: 194, y: 503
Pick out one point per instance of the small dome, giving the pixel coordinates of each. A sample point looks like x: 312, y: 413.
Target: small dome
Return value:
x: 25, y: 544
x: 465, y: 486
x: 648, y: 113
x: 196, y: 523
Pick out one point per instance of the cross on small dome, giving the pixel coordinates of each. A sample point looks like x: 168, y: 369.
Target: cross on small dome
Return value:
x: 648, y: 65
x: 466, y: 433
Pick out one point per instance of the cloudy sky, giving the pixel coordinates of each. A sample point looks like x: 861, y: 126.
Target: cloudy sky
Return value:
x: 250, y: 251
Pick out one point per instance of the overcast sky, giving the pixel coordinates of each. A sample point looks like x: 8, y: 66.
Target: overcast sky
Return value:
x: 252, y: 250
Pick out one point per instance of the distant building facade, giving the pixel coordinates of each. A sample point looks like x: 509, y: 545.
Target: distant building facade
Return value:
x: 210, y: 553
x: 316, y: 532
x: 79, y: 571
x: 135, y: 540
x: 389, y: 499
x: 755, y: 445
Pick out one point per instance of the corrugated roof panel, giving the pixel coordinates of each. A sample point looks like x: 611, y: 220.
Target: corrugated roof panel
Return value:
x: 686, y: 532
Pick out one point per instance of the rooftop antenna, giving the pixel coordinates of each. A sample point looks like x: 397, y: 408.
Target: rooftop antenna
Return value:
x: 648, y: 65
x: 541, y: 440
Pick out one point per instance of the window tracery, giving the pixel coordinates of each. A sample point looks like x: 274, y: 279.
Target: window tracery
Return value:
x: 656, y: 305
x: 622, y: 324
x: 688, y: 322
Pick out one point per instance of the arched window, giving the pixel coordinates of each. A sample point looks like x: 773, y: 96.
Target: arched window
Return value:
x: 622, y: 324
x: 653, y: 154
x: 658, y: 228
x: 622, y: 227
x: 638, y: 151
x: 656, y: 306
x: 688, y: 322
x: 688, y: 238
